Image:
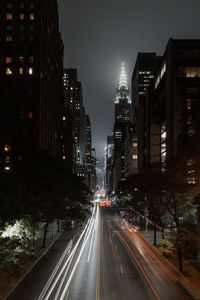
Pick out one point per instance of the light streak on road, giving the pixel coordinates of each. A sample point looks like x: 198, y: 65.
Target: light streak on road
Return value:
x: 152, y: 257
x: 139, y: 265
x: 75, y: 266
x: 57, y: 274
x: 115, y: 260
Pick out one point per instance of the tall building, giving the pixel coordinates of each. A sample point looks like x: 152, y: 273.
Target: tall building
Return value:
x: 67, y: 138
x: 171, y: 104
x: 31, y: 65
x: 74, y: 102
x: 122, y: 119
x: 144, y: 70
x: 93, y: 170
x: 108, y: 163
x: 88, y: 149
x: 143, y: 74
x: 122, y: 109
x: 130, y: 153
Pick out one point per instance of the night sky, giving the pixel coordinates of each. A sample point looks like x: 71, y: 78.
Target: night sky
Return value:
x: 100, y: 34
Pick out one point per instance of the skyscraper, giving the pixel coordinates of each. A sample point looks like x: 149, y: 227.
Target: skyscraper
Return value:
x: 31, y: 65
x: 74, y: 102
x: 122, y: 119
x: 122, y: 108
x: 143, y: 73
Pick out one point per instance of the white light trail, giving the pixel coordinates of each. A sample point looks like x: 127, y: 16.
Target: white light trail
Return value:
x: 53, y: 280
x: 74, y: 268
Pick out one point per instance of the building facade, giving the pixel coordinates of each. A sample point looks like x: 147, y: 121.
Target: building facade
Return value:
x: 170, y: 104
x: 143, y: 74
x: 31, y: 64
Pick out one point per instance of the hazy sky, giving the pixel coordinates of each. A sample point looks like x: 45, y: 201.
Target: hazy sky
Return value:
x: 100, y: 34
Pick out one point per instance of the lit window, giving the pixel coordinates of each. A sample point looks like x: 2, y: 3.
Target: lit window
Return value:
x: 64, y: 157
x: 30, y: 115
x: 7, y: 148
x: 8, y: 71
x: 188, y: 72
x: 7, y: 168
x: 8, y: 60
x: 21, y: 16
x: 30, y: 71
x: 31, y: 59
x: 9, y: 5
x: 9, y: 38
x: 9, y: 16
x: 21, y: 5
x: 190, y: 162
x: 63, y: 118
x: 135, y: 156
x: 31, y: 17
x: 21, y: 59
x: 21, y: 71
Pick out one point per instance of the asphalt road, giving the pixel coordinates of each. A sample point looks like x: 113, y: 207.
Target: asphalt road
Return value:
x: 111, y: 261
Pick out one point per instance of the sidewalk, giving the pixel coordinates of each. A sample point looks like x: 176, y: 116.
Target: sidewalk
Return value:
x: 9, y: 282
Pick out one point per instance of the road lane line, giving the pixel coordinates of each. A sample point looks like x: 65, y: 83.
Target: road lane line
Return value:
x: 53, y: 280
x: 63, y: 278
x: 94, y: 230
x: 98, y: 270
x: 62, y: 297
x: 63, y: 268
x: 116, y: 264
x: 55, y: 270
x: 121, y: 269
x: 136, y: 246
x: 67, y: 295
x: 139, y: 265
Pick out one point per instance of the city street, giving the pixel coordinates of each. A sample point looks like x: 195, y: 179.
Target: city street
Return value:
x: 111, y: 260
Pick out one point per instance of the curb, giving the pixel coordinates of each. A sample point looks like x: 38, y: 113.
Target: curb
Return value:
x: 29, y: 270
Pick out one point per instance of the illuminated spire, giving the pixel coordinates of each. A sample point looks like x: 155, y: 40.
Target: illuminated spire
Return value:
x: 123, y: 83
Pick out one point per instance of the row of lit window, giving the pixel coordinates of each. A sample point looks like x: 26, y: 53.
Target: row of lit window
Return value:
x: 21, y: 59
x: 144, y: 72
x: 188, y: 72
x: 21, y: 16
x: 21, y: 5
x: 9, y: 71
x: 9, y: 38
